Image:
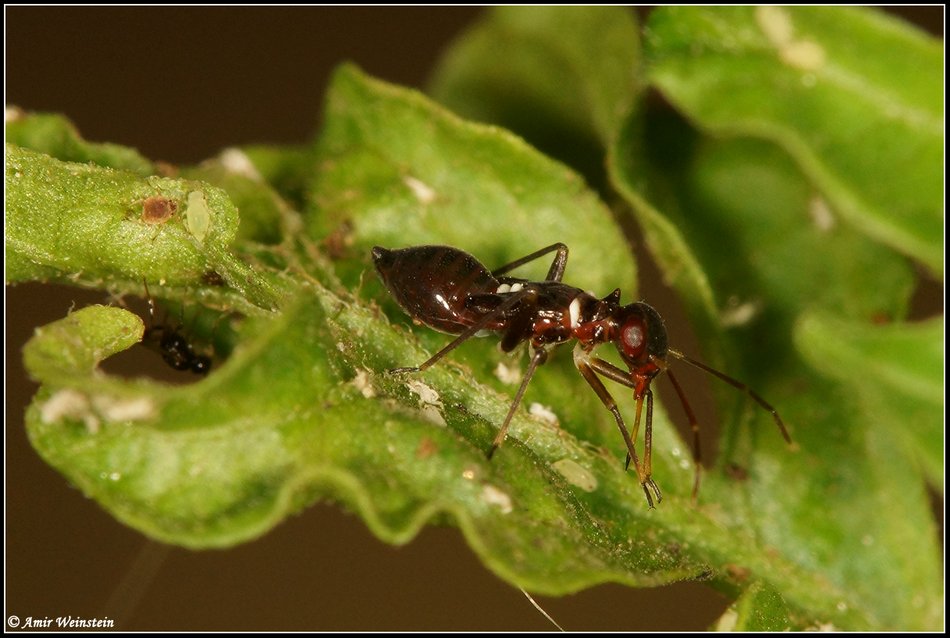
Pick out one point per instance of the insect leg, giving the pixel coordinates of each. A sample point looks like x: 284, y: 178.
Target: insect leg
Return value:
x: 470, y: 332
x: 582, y: 361
x: 540, y: 355
x: 555, y: 272
x: 694, y: 425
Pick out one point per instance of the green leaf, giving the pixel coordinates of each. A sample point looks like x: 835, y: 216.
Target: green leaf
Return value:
x: 739, y: 221
x: 56, y: 136
x: 397, y: 170
x: 303, y: 410
x: 895, y: 370
x: 83, y: 223
x: 561, y: 76
x: 742, y: 223
x: 758, y: 609
x: 854, y: 96
x: 286, y: 168
x: 265, y: 216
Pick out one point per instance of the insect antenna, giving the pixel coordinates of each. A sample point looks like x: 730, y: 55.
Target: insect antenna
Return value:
x: 736, y: 384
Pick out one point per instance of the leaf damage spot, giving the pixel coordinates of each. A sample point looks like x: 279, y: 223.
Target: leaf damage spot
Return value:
x: 12, y: 114
x: 737, y: 313
x: 543, y: 413
x: 821, y: 214
x: 802, y: 54
x: 72, y: 404
x: 576, y: 474
x: 422, y: 191
x: 509, y: 375
x: 69, y: 404
x: 116, y: 409
x: 430, y: 404
x: 495, y: 497
x: 427, y: 395
x: 363, y: 384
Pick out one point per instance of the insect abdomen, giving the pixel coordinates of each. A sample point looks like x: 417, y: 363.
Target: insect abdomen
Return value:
x: 431, y: 283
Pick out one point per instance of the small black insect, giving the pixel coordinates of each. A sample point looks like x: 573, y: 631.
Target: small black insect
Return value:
x: 172, y: 345
x: 449, y: 290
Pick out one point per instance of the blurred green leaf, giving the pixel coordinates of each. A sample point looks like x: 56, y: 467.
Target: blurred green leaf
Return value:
x: 855, y: 96
x: 895, y: 370
x: 757, y: 609
x: 563, y: 77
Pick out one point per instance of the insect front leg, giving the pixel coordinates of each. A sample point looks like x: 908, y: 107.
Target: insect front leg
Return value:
x: 582, y: 361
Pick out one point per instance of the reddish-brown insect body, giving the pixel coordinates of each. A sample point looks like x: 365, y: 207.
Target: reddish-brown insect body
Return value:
x: 449, y: 290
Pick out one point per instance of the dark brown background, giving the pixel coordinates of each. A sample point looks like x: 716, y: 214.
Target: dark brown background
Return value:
x: 179, y: 84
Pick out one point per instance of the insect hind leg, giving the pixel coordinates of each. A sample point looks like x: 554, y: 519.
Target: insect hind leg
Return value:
x: 555, y: 272
x: 470, y: 332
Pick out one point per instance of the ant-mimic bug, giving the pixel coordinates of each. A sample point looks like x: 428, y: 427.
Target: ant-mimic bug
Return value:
x: 451, y: 291
x: 168, y: 342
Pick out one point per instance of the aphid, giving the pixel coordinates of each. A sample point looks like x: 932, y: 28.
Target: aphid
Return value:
x: 449, y: 290
x: 174, y: 348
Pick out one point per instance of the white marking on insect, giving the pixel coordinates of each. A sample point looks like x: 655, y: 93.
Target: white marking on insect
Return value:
x: 506, y: 288
x: 575, y: 312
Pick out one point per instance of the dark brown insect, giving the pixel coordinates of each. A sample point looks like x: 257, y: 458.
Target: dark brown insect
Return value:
x: 449, y: 290
x: 175, y: 349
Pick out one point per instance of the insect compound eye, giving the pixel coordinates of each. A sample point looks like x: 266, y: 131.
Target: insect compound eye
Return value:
x: 633, y: 338
x: 642, y: 333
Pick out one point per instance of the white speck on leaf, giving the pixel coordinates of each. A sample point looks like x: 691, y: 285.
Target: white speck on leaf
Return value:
x: 576, y: 474
x: 543, y: 413
x: 494, y: 496
x: 423, y: 192
x: 507, y: 374
x: 364, y: 385
x: 821, y: 214
x: 236, y: 161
